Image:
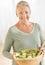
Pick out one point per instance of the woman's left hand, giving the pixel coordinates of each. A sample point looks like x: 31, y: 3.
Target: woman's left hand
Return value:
x: 41, y: 49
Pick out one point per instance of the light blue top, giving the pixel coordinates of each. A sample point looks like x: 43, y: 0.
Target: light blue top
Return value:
x: 20, y: 40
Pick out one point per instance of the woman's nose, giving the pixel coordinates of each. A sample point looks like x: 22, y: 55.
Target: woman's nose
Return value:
x: 24, y: 15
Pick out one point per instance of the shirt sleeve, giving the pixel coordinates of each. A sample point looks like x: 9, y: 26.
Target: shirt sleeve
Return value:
x: 8, y: 44
x: 42, y: 37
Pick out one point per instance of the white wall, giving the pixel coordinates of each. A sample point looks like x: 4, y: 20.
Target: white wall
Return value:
x: 8, y: 15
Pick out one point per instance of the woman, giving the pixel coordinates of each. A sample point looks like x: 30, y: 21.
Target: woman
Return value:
x: 24, y: 34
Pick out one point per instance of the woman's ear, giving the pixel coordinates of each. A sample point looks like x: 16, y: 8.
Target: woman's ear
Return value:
x: 16, y: 14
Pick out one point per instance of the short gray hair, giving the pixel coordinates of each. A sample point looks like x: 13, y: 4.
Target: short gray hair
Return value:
x: 24, y: 3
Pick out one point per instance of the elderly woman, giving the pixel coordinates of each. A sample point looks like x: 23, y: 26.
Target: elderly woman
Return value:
x: 24, y: 34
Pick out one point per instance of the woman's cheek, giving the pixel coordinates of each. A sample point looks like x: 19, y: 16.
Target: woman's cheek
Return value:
x: 27, y: 17
x: 21, y: 17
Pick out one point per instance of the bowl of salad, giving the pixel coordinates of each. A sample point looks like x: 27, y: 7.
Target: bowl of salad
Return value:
x: 28, y: 57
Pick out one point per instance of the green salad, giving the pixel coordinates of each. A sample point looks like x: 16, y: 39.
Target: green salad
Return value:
x: 27, y: 53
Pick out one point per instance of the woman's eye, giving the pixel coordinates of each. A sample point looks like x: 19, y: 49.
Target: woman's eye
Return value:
x: 20, y: 13
x: 26, y: 12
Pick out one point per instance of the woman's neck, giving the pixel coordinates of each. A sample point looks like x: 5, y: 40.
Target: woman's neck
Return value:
x: 24, y: 23
x: 25, y: 27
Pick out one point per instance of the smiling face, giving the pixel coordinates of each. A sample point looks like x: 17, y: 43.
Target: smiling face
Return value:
x: 23, y: 13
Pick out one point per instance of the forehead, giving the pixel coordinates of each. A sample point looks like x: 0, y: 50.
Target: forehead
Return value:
x: 23, y: 7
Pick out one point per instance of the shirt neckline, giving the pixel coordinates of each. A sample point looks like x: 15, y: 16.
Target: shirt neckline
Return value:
x: 24, y: 32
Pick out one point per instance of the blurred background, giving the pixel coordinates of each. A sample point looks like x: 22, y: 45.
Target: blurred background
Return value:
x: 8, y: 18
